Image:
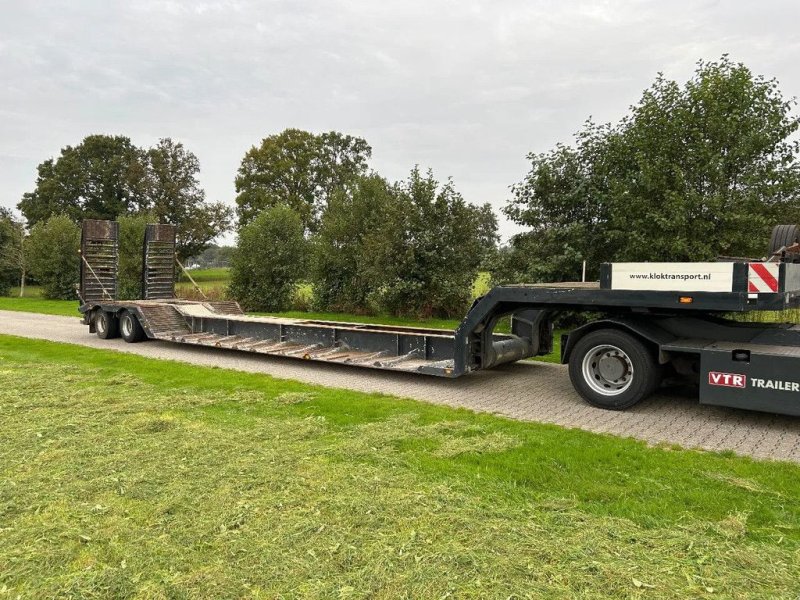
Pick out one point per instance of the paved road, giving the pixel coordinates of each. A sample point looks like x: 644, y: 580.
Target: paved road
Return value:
x: 528, y: 391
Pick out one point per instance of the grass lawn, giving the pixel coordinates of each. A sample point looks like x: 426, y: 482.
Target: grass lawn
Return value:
x: 216, y: 275
x: 124, y: 476
x: 33, y: 302
x: 213, y: 282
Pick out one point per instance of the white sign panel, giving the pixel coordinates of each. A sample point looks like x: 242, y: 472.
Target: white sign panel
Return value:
x: 673, y: 277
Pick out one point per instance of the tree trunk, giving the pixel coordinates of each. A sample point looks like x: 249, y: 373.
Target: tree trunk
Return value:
x: 22, y: 284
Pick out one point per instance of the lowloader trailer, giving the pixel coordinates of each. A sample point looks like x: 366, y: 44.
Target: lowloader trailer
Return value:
x: 648, y: 321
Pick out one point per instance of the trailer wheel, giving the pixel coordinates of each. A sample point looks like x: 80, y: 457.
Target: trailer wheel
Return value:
x: 783, y: 235
x: 106, y: 325
x: 130, y: 328
x: 613, y: 370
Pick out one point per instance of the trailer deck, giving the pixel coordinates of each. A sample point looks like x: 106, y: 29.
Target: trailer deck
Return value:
x: 224, y: 325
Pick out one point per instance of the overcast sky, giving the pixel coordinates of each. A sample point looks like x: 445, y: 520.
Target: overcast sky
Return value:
x: 466, y: 88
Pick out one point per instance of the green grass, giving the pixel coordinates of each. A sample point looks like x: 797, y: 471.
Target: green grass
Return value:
x: 791, y: 315
x: 221, y: 274
x: 130, y: 477
x: 32, y: 301
x: 39, y: 305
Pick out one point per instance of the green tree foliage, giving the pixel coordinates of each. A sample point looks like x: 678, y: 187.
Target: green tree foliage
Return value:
x: 54, y: 260
x: 101, y: 178
x: 174, y: 196
x: 131, y: 237
x: 423, y: 259
x: 12, y: 238
x: 105, y: 177
x: 693, y: 172
x: 348, y: 225
x: 269, y: 260
x: 298, y: 169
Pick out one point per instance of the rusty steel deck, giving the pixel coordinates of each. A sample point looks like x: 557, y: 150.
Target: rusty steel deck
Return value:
x: 224, y: 325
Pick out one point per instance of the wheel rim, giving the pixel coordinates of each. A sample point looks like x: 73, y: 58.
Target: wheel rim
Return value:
x: 100, y: 323
x: 127, y: 325
x: 608, y: 370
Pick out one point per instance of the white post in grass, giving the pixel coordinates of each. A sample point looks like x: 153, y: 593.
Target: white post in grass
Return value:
x: 583, y: 275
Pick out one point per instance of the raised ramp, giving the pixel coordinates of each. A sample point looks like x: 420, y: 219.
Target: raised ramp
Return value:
x: 99, y: 260
x: 158, y: 272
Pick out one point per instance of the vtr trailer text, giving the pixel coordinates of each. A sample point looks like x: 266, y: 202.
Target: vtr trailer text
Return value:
x: 650, y: 322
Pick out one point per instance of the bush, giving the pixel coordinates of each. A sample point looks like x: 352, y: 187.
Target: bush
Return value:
x: 269, y: 260
x: 424, y: 259
x: 410, y: 249
x: 8, y: 270
x: 340, y: 285
x: 54, y: 259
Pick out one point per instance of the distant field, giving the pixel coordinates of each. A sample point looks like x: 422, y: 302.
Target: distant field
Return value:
x: 129, y: 477
x: 217, y: 275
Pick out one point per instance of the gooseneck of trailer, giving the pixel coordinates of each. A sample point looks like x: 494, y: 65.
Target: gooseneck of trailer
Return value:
x: 650, y: 322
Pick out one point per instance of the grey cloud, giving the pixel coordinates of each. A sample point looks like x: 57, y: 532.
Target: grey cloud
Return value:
x: 467, y: 88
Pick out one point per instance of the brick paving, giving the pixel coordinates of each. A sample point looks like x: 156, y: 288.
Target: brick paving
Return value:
x: 529, y: 391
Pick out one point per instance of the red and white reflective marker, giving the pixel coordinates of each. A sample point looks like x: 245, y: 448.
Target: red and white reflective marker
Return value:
x: 763, y: 277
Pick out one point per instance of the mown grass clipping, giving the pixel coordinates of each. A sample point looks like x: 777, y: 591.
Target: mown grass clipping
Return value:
x: 123, y: 477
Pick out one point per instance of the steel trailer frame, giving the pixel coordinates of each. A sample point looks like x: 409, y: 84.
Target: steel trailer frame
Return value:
x: 740, y: 364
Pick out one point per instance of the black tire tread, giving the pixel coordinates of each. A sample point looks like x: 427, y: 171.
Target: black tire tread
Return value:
x: 137, y: 333
x: 644, y: 364
x: 783, y: 235
x: 112, y: 325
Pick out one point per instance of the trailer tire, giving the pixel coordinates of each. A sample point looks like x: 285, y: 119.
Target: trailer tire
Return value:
x: 612, y: 369
x: 129, y: 327
x: 106, y: 325
x: 783, y: 235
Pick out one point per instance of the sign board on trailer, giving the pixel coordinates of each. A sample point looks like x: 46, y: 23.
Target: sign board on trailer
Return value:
x: 673, y: 277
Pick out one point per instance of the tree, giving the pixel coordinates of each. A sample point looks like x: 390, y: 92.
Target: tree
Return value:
x: 425, y: 258
x: 106, y: 177
x: 131, y: 237
x: 300, y: 170
x: 269, y: 260
x: 174, y: 196
x: 53, y: 252
x: 13, y: 253
x: 101, y: 178
x: 339, y: 252
x: 693, y: 171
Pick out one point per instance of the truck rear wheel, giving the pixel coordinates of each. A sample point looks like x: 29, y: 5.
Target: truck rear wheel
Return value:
x: 106, y: 325
x: 129, y: 327
x: 612, y: 369
x: 783, y: 236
